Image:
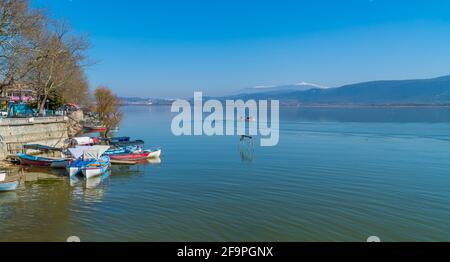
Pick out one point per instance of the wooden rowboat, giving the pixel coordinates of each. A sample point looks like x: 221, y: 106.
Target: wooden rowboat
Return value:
x: 8, y: 186
x: 37, y: 161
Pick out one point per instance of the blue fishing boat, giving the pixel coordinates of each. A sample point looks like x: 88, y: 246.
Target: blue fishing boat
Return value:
x: 75, y: 167
x: 126, y: 143
x: 8, y: 186
x: 120, y: 139
x: 43, y: 161
x: 124, y: 150
x: 96, y: 168
x: 89, y: 161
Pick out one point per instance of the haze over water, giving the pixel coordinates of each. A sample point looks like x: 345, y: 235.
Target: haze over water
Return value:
x: 338, y: 174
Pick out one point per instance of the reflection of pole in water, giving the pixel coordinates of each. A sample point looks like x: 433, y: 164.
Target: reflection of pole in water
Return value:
x: 246, y: 148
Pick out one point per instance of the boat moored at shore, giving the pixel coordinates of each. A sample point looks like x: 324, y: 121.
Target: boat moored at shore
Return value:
x: 37, y: 161
x: 96, y: 168
x: 90, y: 161
x: 9, y: 186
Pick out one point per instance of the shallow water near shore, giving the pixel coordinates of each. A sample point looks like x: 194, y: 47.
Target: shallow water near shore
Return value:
x: 338, y: 174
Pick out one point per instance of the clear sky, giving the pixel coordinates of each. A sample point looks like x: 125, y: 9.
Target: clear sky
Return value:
x: 171, y: 48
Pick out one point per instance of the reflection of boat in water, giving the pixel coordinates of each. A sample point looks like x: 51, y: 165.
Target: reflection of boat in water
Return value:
x: 8, y: 197
x: 149, y: 161
x: 134, y: 168
x: 153, y: 161
x: 246, y: 148
x: 91, y: 189
x: 42, y: 173
x: 94, y: 182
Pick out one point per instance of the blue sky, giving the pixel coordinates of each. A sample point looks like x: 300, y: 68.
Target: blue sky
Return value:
x: 172, y: 48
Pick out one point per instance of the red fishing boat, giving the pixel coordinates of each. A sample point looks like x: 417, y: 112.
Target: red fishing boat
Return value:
x: 95, y: 129
x: 137, y: 156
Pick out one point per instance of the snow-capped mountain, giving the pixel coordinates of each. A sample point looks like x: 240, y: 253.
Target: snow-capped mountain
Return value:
x: 303, y: 86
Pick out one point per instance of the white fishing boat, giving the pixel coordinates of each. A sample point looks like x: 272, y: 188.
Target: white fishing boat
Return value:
x: 156, y: 153
x: 97, y: 168
x: 89, y: 161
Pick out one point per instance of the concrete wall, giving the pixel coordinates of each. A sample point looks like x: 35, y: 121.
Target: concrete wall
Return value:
x: 14, y: 133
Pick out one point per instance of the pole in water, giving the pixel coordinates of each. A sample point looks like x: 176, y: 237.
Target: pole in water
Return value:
x: 243, y: 137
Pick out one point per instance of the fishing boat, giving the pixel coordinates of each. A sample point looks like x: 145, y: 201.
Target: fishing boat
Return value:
x: 43, y: 161
x: 145, y: 154
x: 124, y: 150
x: 8, y: 186
x: 94, y: 182
x: 2, y: 176
x: 124, y: 144
x: 95, y: 129
x: 89, y: 161
x: 96, y: 168
x: 75, y: 167
x: 38, y: 161
x: 131, y: 156
x: 84, y: 141
x: 156, y: 153
x: 120, y: 139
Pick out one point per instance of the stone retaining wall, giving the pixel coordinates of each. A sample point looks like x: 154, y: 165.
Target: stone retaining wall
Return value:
x: 14, y: 133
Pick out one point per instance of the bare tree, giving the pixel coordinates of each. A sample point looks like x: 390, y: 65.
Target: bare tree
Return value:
x: 107, y: 108
x: 42, y: 54
x: 58, y: 63
x: 18, y: 26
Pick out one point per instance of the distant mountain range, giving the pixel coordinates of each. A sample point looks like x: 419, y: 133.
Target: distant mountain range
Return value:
x: 396, y: 92
x: 280, y: 89
x: 435, y: 91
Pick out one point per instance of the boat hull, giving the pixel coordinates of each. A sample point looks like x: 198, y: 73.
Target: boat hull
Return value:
x: 155, y: 154
x: 137, y: 156
x: 10, y: 186
x: 95, y: 129
x: 90, y: 172
x: 42, y: 162
x: 73, y: 171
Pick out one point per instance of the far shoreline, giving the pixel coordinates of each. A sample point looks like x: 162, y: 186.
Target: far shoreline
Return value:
x: 319, y: 106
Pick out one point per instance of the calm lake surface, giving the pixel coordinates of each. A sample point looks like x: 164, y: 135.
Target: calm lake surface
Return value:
x: 338, y: 174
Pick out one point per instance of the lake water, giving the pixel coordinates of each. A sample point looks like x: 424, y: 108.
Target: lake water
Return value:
x: 337, y: 175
